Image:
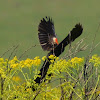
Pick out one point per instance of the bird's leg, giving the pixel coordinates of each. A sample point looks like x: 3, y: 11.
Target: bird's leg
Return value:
x: 53, y: 50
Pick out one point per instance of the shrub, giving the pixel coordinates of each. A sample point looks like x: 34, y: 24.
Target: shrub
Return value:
x: 70, y: 79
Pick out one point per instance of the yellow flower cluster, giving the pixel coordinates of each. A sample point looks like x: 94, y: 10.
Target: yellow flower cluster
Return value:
x: 16, y: 78
x: 6, y: 65
x: 77, y: 61
x: 44, y: 58
x: 36, y: 61
x: 53, y: 58
x: 29, y: 62
x: 95, y: 60
x: 3, y: 64
x: 14, y: 63
x: 62, y: 65
x: 2, y: 73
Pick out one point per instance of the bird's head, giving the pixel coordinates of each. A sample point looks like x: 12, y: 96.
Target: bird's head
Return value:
x: 55, y: 40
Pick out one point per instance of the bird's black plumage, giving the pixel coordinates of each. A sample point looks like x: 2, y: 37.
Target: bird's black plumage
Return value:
x: 46, y: 34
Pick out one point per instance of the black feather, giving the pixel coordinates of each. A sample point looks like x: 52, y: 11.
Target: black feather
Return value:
x: 46, y: 33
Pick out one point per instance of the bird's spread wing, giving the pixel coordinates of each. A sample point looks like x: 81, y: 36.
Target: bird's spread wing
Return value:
x: 46, y: 32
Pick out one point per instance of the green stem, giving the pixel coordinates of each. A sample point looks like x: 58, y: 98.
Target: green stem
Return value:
x: 94, y: 88
x: 24, y: 75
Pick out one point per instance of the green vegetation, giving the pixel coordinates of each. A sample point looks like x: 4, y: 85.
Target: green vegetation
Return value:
x: 19, y: 20
x: 74, y: 80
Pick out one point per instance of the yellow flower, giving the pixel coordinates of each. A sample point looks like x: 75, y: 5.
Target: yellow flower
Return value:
x: 2, y: 73
x: 22, y: 63
x: 14, y: 60
x: 28, y: 62
x: 16, y: 78
x: 1, y: 60
x: 57, y: 58
x: 62, y: 64
x: 59, y: 66
x: 77, y: 61
x: 52, y: 57
x: 36, y: 62
x: 98, y: 92
x: 95, y: 60
x: 14, y: 65
x: 44, y: 58
x: 36, y: 58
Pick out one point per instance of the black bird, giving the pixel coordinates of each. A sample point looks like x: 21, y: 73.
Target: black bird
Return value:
x: 46, y: 35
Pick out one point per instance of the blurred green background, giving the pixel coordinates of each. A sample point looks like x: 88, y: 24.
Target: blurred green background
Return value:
x: 19, y: 20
